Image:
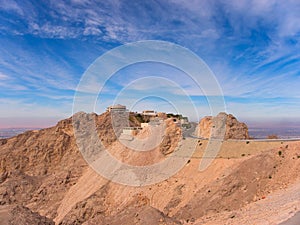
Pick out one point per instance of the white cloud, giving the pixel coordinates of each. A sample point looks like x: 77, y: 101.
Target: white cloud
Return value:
x: 11, y: 5
x: 21, y: 108
x: 36, y: 68
x: 3, y: 76
x: 91, y: 31
x: 13, y: 87
x: 210, y: 34
x: 214, y: 29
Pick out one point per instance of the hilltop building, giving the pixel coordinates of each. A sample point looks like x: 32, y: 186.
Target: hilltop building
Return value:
x: 149, y: 113
x: 131, y: 130
x: 185, y: 122
x: 116, y: 108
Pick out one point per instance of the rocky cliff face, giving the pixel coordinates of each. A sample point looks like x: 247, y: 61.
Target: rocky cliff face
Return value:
x: 222, y: 125
x: 37, y: 168
x: 42, y: 174
x: 16, y: 215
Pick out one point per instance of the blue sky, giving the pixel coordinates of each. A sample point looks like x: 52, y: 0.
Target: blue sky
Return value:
x: 251, y: 46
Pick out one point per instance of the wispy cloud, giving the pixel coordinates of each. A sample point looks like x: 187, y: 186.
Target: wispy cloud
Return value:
x: 22, y: 107
x: 3, y: 76
x: 11, y: 5
x: 251, y: 46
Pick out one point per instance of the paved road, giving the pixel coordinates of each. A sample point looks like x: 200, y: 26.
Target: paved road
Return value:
x: 189, y: 132
x: 295, y: 220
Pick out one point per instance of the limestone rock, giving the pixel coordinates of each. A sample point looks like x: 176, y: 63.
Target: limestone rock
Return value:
x: 171, y: 139
x: 222, y: 126
x: 15, y: 215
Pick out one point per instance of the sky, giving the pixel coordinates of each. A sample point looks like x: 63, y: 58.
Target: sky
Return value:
x: 252, y: 48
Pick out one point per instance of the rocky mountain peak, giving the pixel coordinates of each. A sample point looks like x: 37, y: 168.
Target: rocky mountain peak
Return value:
x: 222, y: 126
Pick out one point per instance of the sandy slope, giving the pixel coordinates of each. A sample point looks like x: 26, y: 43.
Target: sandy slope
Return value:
x: 87, y: 185
x: 274, y: 209
x: 273, y: 200
x: 293, y: 220
x: 167, y: 196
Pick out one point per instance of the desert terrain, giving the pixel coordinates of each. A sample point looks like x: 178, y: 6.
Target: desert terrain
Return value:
x: 45, y: 180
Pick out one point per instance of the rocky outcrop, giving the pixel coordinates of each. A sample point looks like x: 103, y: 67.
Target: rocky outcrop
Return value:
x: 15, y: 215
x: 135, y: 215
x: 171, y: 138
x: 222, y: 126
x: 37, y: 168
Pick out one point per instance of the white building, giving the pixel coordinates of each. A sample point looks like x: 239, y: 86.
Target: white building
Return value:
x: 184, y: 120
x: 130, y: 130
x: 149, y: 113
x: 143, y: 125
x: 116, y: 108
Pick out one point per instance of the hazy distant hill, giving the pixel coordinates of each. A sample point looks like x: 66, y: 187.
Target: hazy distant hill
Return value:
x: 10, y: 132
x: 284, y: 133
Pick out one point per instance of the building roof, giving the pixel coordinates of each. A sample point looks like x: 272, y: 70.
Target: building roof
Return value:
x: 117, y: 106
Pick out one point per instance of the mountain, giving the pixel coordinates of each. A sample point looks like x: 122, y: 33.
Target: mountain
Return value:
x: 223, y: 126
x: 45, y: 179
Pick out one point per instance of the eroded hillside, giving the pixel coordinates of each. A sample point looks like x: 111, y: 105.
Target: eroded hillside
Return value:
x: 43, y: 174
